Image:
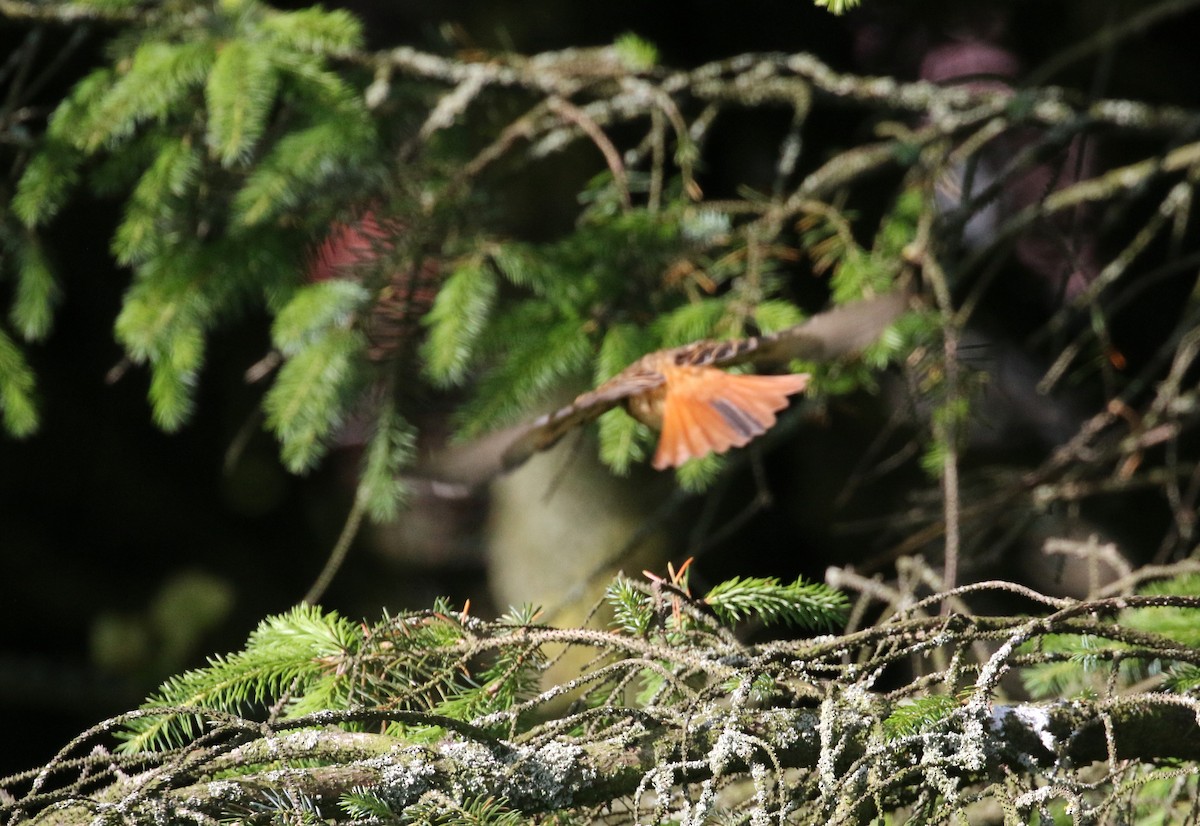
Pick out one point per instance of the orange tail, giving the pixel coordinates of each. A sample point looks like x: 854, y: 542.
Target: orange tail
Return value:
x: 707, y: 410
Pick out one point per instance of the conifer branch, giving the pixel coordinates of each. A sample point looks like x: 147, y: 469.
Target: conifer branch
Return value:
x: 449, y: 701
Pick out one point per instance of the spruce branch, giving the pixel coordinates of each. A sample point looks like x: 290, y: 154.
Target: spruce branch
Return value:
x: 159, y: 77
x: 314, y: 30
x: 807, y: 604
x: 413, y: 709
x: 46, y: 183
x: 240, y: 92
x: 17, y: 406
x: 309, y: 397
x: 391, y: 449
x: 623, y: 439
x: 150, y: 221
x: 315, y: 309
x: 459, y: 315
x: 37, y: 290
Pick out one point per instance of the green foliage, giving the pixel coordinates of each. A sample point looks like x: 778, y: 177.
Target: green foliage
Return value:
x: 162, y: 323
x: 806, y: 604
x: 391, y: 448
x: 233, y: 113
x: 856, y: 271
x: 1084, y: 664
x: 1061, y: 676
x: 548, y: 333
x: 1183, y: 678
x: 691, y: 322
x: 311, y: 393
x: 911, y: 331
x: 314, y: 660
x: 623, y: 344
x: 510, y: 678
x: 438, y: 716
x: 774, y: 315
x: 636, y: 53
x: 152, y: 87
x: 539, y: 353
x: 696, y: 475
x: 315, y: 30
x: 240, y: 93
x: 294, y: 652
x: 109, y: 5
x: 919, y: 715
x: 623, y: 439
x: 367, y: 806
x: 583, y: 298
x: 315, y: 309
x: 948, y: 419
x: 837, y: 6
x: 37, y: 291
x: 17, y: 405
x: 291, y: 807
x: 474, y: 810
x: 153, y: 206
x: 458, y: 318
x: 46, y: 183
x: 233, y: 134
x: 632, y: 612
x: 1179, y: 624
x: 296, y: 167
x: 933, y: 458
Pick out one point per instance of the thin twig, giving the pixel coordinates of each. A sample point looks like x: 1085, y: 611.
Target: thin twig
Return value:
x: 340, y: 548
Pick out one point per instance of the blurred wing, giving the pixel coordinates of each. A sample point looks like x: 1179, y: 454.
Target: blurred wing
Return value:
x: 545, y: 431
x: 829, y: 335
x: 709, y: 411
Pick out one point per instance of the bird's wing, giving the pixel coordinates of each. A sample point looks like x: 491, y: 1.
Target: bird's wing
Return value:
x: 844, y: 330
x: 707, y: 410
x: 545, y: 431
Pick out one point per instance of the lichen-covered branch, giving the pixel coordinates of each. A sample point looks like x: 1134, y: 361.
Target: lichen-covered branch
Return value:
x: 656, y: 719
x: 323, y: 764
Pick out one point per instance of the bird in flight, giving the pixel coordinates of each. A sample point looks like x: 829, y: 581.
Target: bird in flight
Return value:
x: 701, y: 408
x: 686, y: 394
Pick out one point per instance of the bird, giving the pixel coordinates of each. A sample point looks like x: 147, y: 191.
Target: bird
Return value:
x: 685, y: 392
x: 700, y: 407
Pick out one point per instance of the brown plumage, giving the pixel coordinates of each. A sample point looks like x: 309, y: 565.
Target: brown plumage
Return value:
x: 701, y: 408
x: 682, y: 392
